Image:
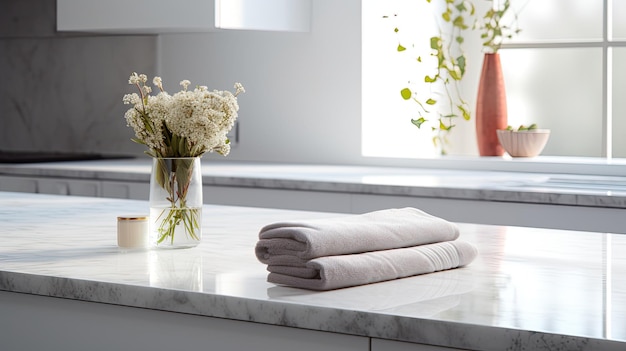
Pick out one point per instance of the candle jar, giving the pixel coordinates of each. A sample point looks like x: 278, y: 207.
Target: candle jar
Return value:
x: 132, y: 231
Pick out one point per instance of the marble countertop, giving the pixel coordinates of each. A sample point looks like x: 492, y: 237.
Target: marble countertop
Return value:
x: 529, y: 288
x: 538, y: 188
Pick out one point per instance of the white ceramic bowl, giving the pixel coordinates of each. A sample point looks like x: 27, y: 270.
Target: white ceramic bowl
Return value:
x: 523, y: 143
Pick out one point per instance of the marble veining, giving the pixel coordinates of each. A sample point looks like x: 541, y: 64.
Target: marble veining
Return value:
x: 529, y: 288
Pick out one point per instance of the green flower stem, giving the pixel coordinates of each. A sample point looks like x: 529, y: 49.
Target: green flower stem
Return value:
x: 174, y: 217
x: 176, y: 183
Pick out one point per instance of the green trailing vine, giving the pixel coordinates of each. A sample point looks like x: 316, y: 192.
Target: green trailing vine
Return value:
x: 451, y: 63
x: 457, y: 17
x: 494, y: 26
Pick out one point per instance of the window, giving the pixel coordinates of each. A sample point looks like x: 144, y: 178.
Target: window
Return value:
x: 565, y: 72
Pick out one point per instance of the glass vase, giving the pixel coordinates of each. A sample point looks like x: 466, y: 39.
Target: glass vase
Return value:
x: 175, y: 202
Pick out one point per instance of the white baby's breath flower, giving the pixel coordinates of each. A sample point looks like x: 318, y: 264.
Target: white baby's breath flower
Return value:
x: 239, y: 89
x: 158, y: 83
x: 185, y: 83
x: 133, y: 79
x: 186, y: 124
x: 131, y: 99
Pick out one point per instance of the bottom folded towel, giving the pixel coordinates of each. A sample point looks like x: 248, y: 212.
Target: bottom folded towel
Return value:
x: 333, y: 272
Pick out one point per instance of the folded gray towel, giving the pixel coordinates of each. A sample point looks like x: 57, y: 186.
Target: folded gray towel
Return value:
x: 295, y: 243
x: 333, y: 272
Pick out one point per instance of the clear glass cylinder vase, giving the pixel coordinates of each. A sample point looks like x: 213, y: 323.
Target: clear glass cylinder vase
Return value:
x: 175, y: 202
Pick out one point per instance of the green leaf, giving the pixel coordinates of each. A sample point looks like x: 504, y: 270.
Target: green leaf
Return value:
x: 406, y: 93
x: 464, y: 112
x: 182, y: 147
x: 418, y: 122
x: 442, y: 126
x: 419, y: 59
x: 459, y: 22
x: 435, y: 43
x: 431, y: 102
x: 396, y: 30
x: 446, y: 16
x: 401, y: 48
x: 461, y: 63
x: 429, y: 79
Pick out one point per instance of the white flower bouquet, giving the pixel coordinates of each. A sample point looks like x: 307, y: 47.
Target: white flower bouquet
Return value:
x: 180, y: 126
x: 186, y: 124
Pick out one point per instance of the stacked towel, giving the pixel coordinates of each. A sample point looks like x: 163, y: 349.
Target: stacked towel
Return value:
x: 327, y: 254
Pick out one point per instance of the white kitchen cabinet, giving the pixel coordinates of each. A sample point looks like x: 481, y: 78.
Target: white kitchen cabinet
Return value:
x: 32, y: 322
x: 75, y: 187
x: 391, y: 345
x: 583, y: 218
x: 277, y: 198
x: 18, y: 184
x: 182, y: 16
x: 126, y: 190
x: 56, y: 186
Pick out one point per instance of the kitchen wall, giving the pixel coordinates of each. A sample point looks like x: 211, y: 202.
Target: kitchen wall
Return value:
x: 60, y: 91
x: 303, y: 99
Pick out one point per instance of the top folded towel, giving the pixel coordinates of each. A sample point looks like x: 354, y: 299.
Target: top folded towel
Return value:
x: 294, y: 243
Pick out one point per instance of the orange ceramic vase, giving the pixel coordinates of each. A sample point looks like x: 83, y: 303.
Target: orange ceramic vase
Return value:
x: 491, y: 110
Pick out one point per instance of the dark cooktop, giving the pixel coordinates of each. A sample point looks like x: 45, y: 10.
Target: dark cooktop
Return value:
x: 42, y: 156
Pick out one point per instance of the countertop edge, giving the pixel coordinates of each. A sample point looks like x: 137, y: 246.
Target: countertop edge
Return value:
x: 285, y: 314
x: 138, y: 172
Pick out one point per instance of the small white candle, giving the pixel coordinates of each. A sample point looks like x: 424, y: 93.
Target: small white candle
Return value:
x: 132, y: 231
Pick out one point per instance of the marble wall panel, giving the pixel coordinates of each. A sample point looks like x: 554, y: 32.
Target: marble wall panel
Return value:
x: 63, y: 92
x: 27, y: 18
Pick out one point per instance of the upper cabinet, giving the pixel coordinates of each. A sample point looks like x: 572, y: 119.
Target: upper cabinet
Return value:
x: 272, y: 15
x: 182, y: 16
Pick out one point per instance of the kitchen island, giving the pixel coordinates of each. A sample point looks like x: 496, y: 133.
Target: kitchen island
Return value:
x: 65, y: 285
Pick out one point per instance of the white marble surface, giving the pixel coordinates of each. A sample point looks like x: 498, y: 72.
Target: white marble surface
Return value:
x: 528, y: 289
x: 519, y: 187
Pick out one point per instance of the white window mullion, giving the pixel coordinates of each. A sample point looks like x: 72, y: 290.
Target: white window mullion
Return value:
x: 607, y: 145
x: 607, y: 53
